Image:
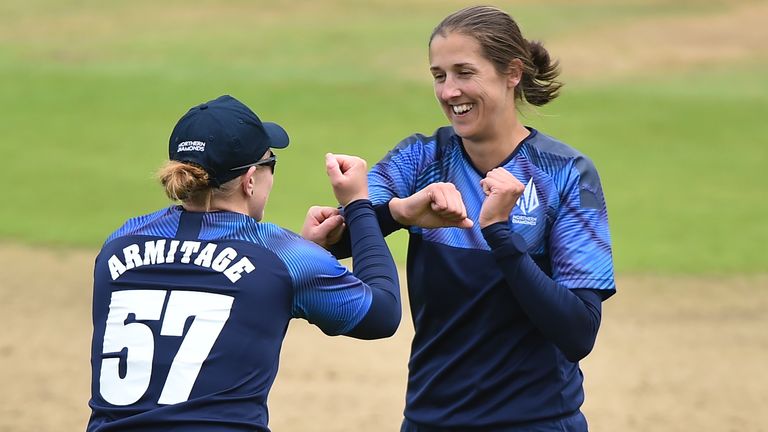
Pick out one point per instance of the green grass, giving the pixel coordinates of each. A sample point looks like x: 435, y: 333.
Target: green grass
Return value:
x: 680, y: 161
x: 92, y: 89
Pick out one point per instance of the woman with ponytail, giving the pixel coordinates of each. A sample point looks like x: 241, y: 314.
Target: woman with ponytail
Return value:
x: 509, y: 252
x: 191, y: 303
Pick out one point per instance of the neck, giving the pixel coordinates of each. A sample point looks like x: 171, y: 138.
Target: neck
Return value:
x: 217, y: 204
x: 490, y: 153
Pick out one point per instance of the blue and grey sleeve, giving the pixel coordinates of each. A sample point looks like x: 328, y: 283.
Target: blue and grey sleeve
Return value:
x: 570, y: 318
x: 580, y: 241
x: 364, y: 304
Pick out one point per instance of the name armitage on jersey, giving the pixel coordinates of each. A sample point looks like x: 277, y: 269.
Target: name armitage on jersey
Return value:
x: 162, y: 252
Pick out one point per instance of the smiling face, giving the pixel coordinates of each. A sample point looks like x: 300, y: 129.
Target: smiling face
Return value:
x: 478, y: 101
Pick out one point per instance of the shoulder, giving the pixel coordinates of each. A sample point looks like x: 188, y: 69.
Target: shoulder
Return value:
x: 299, y: 255
x: 419, y: 145
x: 570, y: 169
x: 277, y: 238
x: 552, y: 155
x: 542, y: 148
x: 148, y: 224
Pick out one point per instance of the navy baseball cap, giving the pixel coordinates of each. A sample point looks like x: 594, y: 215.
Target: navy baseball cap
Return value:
x: 224, y: 137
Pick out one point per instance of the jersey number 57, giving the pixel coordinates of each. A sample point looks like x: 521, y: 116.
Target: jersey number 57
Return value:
x: 211, y: 312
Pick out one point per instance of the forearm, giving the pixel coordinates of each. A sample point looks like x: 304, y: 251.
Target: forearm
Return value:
x: 373, y: 264
x: 569, y: 319
x: 387, y: 224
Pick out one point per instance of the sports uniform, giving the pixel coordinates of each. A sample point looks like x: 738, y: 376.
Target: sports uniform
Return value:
x: 498, y: 335
x: 190, y: 308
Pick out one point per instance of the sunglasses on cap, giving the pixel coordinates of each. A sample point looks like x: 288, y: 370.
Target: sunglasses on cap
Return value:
x: 270, y: 162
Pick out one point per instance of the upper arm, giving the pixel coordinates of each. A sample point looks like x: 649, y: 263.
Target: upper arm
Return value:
x: 580, y: 242
x: 325, y: 293
x: 395, y: 174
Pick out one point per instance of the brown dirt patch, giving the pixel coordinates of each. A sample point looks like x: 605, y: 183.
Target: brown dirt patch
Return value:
x: 654, y: 46
x: 674, y: 354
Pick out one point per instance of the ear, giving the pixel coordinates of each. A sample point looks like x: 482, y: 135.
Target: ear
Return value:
x: 515, y: 73
x: 247, y: 183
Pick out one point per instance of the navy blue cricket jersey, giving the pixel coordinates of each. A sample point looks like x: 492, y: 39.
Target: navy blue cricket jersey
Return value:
x: 477, y: 359
x: 190, y: 311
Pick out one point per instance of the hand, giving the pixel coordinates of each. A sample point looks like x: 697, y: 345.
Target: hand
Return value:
x: 349, y: 177
x: 502, y: 190
x: 437, y: 205
x: 323, y: 225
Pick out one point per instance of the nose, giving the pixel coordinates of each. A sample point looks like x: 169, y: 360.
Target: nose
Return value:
x: 448, y: 89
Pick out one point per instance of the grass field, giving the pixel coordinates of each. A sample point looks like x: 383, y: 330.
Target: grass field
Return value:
x: 91, y: 91
x: 667, y: 97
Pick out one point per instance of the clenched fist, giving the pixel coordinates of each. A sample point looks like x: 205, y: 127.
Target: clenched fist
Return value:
x: 437, y: 205
x: 349, y: 177
x: 502, y: 190
x: 323, y: 225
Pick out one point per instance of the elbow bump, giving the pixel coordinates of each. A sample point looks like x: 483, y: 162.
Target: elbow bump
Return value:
x: 389, y: 329
x: 382, y: 332
x: 379, y: 330
x: 577, y: 353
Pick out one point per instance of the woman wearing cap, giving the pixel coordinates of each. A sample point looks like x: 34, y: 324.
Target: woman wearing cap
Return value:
x: 509, y: 253
x: 191, y: 303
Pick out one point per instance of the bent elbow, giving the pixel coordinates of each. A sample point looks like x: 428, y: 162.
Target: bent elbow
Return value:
x: 379, y: 328
x: 576, y: 353
x: 385, y: 329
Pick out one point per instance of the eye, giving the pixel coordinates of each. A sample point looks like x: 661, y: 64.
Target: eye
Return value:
x: 465, y: 73
x: 438, y: 77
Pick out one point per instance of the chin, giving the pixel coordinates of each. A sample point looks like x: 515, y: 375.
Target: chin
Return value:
x: 464, y: 131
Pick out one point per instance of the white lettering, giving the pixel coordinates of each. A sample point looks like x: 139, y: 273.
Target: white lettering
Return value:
x: 191, y: 146
x: 172, y: 252
x: 153, y: 252
x: 116, y: 268
x: 524, y: 220
x: 189, y: 247
x: 223, y: 259
x: 132, y: 256
x: 234, y: 272
x: 206, y: 255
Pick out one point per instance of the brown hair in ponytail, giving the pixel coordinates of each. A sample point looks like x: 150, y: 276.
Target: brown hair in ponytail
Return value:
x: 185, y: 182
x: 502, y: 42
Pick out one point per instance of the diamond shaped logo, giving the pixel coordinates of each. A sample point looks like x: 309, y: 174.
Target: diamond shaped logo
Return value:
x: 529, y: 201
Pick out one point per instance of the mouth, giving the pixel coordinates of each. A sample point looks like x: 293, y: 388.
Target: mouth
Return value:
x: 461, y: 109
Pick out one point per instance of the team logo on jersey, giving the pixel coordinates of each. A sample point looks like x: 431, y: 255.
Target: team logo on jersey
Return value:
x: 527, y: 203
x: 191, y: 146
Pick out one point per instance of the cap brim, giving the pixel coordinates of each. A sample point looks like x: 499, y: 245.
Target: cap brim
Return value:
x: 278, y: 137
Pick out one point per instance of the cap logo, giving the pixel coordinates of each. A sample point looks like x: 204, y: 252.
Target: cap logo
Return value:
x: 191, y: 146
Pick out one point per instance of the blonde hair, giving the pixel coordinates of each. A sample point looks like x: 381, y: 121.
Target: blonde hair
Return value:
x: 190, y: 184
x: 187, y: 183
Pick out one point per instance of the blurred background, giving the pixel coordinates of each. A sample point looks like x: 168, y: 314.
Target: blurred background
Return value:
x: 668, y: 98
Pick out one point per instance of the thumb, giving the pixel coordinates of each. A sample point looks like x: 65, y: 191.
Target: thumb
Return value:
x: 330, y: 224
x: 332, y: 166
x: 485, y: 183
x: 465, y: 223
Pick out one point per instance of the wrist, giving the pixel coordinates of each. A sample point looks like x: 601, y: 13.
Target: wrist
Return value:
x: 486, y: 222
x: 349, y: 200
x: 396, y: 209
x: 356, y: 203
x: 504, y: 241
